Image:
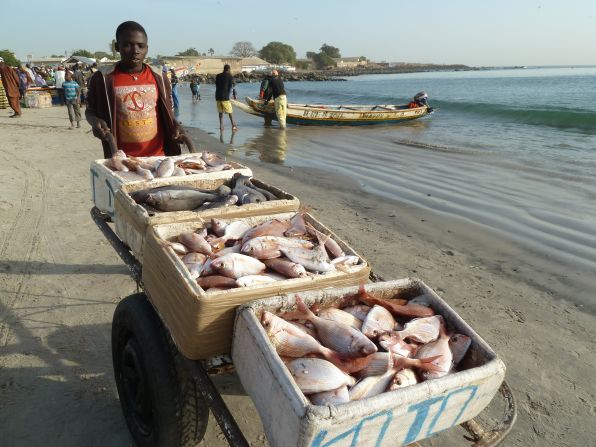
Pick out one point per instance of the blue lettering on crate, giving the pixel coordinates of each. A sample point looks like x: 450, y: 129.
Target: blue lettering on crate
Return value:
x: 94, y: 175
x: 110, y: 199
x: 422, y: 411
x: 354, y: 432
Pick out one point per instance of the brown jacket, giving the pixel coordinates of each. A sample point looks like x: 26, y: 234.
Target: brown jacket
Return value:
x: 100, y: 104
x: 10, y: 80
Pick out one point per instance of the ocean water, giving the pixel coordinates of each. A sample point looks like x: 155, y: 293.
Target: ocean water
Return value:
x: 512, y: 150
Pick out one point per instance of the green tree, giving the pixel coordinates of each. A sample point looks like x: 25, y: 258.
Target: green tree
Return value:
x: 310, y: 54
x: 363, y: 58
x: 101, y: 54
x: 82, y: 52
x: 330, y: 51
x: 9, y: 58
x: 278, y: 53
x: 189, y: 52
x: 57, y: 55
x: 243, y: 49
x: 323, y: 60
x: 211, y: 51
x: 302, y: 65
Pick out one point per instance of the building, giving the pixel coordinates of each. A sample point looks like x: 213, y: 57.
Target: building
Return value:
x: 350, y: 62
x: 250, y: 64
x: 203, y: 64
x: 214, y: 64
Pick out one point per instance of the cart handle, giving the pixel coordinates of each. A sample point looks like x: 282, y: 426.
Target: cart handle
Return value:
x: 494, y: 437
x: 131, y: 262
x: 218, y: 407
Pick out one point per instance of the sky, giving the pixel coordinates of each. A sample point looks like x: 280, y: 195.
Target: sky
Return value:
x: 475, y: 33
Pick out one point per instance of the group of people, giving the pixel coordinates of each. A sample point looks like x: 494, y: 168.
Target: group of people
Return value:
x: 271, y: 87
x: 16, y: 81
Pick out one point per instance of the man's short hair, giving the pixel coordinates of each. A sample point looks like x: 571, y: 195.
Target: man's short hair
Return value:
x: 129, y: 26
x: 227, y: 67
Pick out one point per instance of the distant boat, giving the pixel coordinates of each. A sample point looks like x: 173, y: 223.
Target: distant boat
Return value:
x: 336, y: 115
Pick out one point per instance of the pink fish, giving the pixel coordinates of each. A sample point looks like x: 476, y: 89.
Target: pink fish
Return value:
x: 343, y: 339
x: 440, y: 349
x: 406, y: 310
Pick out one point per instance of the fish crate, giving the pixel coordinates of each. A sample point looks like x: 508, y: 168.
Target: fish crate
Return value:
x: 201, y: 322
x: 392, y: 418
x: 38, y: 99
x: 105, y: 182
x: 132, y: 220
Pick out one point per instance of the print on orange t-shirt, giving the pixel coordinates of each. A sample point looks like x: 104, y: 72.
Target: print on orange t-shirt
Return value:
x: 138, y: 131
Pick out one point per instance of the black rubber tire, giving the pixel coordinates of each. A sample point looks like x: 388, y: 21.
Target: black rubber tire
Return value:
x: 159, y: 399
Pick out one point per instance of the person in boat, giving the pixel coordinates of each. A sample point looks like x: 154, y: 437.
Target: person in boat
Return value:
x: 224, y: 84
x: 133, y: 102
x: 420, y: 100
x: 277, y: 91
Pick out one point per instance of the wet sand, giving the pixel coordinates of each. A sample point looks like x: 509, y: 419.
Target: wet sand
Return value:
x: 60, y: 281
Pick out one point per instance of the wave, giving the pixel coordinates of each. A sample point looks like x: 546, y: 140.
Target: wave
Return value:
x: 436, y: 147
x: 563, y: 118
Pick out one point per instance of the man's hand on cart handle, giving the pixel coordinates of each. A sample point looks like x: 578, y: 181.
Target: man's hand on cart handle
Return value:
x: 100, y: 128
x: 180, y: 137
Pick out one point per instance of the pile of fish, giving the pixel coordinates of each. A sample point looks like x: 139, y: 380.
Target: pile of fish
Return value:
x: 150, y: 168
x: 342, y: 354
x: 187, y: 198
x: 227, y: 255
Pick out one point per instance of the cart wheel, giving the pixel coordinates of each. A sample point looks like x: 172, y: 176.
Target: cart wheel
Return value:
x: 158, y: 396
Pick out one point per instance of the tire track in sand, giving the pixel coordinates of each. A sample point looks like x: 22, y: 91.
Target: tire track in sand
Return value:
x: 22, y: 241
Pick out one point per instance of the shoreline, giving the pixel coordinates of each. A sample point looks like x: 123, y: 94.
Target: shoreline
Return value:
x: 336, y: 74
x: 61, y: 280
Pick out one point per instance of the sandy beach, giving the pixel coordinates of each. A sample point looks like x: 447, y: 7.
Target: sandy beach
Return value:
x: 60, y: 281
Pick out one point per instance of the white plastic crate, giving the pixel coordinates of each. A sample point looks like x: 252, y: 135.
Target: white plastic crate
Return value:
x: 105, y: 182
x: 390, y: 419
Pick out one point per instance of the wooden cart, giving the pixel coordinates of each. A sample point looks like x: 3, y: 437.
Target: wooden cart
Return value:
x: 166, y: 397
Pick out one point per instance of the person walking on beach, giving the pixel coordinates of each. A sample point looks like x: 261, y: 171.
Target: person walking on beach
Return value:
x: 174, y: 82
x: 79, y: 78
x: 277, y: 91
x: 133, y: 102
x: 195, y: 86
x: 59, y: 76
x: 25, y: 80
x: 72, y: 97
x: 224, y: 83
x: 10, y: 81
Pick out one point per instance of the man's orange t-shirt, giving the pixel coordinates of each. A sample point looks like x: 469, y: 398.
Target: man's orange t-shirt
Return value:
x: 138, y: 129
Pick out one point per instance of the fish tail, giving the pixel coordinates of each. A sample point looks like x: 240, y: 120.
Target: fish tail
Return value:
x: 426, y: 363
x: 303, y: 309
x: 363, y: 294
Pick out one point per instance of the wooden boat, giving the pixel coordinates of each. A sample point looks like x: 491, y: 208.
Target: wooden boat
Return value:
x: 336, y: 115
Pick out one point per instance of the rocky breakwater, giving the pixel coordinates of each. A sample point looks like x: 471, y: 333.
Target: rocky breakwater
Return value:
x: 287, y: 76
x: 339, y: 74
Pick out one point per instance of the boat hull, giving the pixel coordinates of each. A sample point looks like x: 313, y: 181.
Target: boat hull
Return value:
x: 306, y: 115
